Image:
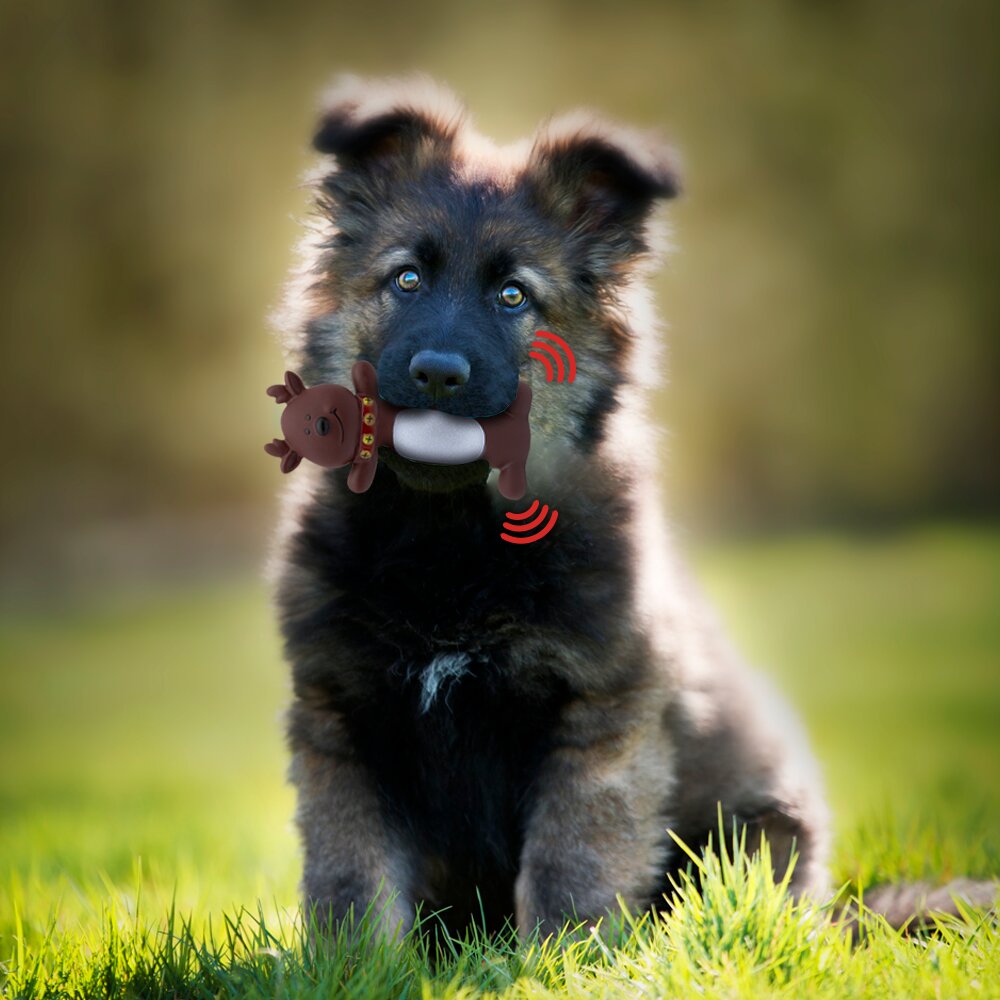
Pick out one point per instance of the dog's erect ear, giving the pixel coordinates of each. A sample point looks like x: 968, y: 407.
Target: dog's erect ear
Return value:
x: 600, y: 178
x: 368, y: 124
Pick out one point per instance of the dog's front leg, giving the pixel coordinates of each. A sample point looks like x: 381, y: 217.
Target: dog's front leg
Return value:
x: 353, y: 859
x: 596, y: 829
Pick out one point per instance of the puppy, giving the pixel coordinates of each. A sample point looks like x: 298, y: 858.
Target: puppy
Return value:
x: 505, y: 731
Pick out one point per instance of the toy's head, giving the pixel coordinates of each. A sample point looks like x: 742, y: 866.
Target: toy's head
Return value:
x: 322, y: 424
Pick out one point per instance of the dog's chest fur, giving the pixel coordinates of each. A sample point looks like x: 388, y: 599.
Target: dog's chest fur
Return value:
x: 416, y: 590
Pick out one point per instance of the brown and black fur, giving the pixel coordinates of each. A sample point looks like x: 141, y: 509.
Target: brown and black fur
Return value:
x: 484, y: 727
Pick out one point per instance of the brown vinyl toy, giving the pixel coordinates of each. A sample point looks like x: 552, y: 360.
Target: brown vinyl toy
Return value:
x: 332, y: 426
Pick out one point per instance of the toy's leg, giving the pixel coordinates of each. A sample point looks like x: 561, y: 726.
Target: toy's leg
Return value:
x: 361, y: 475
x: 513, y: 481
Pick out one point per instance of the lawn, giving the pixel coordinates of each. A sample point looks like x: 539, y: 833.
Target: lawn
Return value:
x: 145, y: 836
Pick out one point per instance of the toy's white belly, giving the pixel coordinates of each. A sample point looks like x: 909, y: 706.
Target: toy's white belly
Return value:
x: 440, y: 438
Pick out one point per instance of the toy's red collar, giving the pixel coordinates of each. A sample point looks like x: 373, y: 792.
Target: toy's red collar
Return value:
x: 366, y: 446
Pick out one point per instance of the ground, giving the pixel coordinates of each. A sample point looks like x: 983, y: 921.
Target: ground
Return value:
x: 145, y: 836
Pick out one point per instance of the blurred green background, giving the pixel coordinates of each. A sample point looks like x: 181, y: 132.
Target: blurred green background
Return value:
x: 833, y: 399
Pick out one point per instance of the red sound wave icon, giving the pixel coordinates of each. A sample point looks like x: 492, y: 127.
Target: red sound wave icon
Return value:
x: 523, y: 525
x: 548, y: 355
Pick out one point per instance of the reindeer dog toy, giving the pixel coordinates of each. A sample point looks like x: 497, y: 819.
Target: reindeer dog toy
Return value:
x: 332, y: 426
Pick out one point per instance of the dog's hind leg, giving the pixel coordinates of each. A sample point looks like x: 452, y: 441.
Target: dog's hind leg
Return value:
x: 742, y: 758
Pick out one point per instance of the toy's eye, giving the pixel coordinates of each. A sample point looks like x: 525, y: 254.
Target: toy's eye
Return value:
x: 408, y: 280
x: 322, y: 426
x: 512, y: 296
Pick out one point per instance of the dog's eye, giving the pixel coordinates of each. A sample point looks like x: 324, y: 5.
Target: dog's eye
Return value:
x: 407, y: 280
x: 512, y: 296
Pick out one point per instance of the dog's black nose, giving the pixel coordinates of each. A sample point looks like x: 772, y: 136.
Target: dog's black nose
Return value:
x: 439, y: 373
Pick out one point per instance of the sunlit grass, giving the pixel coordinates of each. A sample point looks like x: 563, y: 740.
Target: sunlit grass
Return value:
x: 731, y: 932
x: 145, y: 831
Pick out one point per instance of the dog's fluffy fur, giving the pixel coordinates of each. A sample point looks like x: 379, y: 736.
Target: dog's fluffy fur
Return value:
x: 500, y: 729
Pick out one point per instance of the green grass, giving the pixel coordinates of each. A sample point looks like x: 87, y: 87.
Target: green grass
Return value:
x: 145, y: 836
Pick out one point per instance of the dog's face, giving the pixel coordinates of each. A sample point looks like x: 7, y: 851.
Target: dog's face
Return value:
x: 442, y: 256
x: 446, y: 304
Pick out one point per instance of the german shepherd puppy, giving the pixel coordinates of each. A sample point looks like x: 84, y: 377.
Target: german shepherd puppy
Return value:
x: 505, y: 731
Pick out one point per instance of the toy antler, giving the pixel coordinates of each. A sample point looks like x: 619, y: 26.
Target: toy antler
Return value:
x: 293, y: 386
x: 279, y: 448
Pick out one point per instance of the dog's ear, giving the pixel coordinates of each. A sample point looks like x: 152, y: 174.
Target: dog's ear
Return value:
x: 600, y: 179
x: 372, y: 124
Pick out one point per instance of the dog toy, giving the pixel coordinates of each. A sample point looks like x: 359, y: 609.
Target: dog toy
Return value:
x: 332, y: 426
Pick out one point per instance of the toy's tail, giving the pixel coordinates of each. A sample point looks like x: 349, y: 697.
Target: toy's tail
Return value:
x: 911, y: 906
